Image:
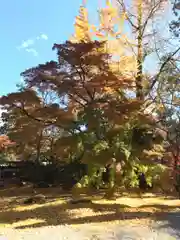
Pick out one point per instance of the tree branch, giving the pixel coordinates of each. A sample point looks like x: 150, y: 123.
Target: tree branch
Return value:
x: 150, y: 15
x: 128, y: 18
x: 162, y: 68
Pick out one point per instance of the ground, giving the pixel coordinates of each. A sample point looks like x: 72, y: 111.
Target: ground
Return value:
x: 146, y: 217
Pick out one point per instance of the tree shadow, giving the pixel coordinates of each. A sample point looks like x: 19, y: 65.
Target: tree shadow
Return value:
x: 66, y: 213
x: 169, y: 220
x: 12, y: 197
x: 15, y: 194
x: 60, y: 214
x: 29, y: 189
x: 168, y: 216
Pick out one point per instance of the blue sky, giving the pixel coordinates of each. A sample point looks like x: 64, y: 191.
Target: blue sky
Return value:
x: 28, y: 31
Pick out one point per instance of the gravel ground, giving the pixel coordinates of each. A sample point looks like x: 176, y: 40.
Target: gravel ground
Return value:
x: 86, y: 231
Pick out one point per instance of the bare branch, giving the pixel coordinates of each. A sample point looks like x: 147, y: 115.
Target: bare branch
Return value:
x: 162, y: 67
x: 150, y: 15
x: 128, y: 17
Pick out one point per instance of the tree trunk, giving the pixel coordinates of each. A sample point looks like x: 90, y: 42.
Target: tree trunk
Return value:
x: 38, y: 149
x: 139, y: 77
x: 176, y: 173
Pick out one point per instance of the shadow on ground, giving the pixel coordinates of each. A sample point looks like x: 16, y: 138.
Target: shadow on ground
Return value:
x: 15, y: 191
x: 169, y: 220
x: 53, y: 213
x: 9, y: 197
x: 67, y: 213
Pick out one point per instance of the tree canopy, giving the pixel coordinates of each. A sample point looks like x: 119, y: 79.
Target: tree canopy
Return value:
x: 96, y: 103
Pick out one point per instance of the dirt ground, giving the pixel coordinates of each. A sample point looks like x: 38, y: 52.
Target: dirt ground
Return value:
x: 148, y: 211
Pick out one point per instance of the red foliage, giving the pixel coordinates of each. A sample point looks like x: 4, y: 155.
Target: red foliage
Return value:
x: 5, y: 142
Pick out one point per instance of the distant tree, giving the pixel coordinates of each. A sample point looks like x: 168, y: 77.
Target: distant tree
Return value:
x: 175, y: 24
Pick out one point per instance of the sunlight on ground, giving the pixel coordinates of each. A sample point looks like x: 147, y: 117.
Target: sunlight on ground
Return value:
x: 137, y: 202
x: 35, y: 206
x: 124, y: 210
x: 25, y: 223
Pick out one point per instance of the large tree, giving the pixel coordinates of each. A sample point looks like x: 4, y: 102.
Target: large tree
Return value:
x: 98, y: 93
x: 133, y: 31
x: 96, y: 118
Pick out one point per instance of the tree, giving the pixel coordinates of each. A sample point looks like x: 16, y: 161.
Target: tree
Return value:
x: 98, y: 100
x: 33, y: 135
x: 139, y: 17
x: 95, y: 118
x: 109, y: 29
x: 4, y: 142
x: 175, y: 24
x: 142, y: 19
x: 23, y: 123
x: 6, y: 146
x: 167, y: 100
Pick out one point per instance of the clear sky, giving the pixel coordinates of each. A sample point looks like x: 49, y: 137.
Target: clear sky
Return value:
x: 28, y: 31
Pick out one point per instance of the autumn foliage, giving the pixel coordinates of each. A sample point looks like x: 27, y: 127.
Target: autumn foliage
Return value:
x: 91, y: 103
x: 5, y: 142
x: 85, y: 93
